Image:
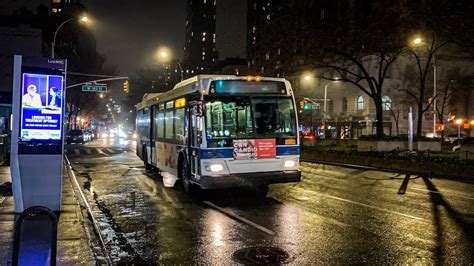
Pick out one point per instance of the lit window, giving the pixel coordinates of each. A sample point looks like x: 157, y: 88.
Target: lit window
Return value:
x: 54, y: 10
x: 254, y: 29
x: 204, y: 34
x: 267, y: 56
x: 203, y: 58
x: 386, y: 103
x: 268, y: 17
x: 360, y: 103
x: 203, y: 39
x: 203, y: 53
x: 192, y: 33
x: 214, y: 38
x: 56, y: 1
x: 204, y: 1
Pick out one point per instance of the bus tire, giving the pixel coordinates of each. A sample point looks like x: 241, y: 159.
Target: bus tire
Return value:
x: 262, y: 191
x: 186, y: 183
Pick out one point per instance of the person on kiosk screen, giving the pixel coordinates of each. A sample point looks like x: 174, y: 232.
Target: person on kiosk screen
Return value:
x: 32, y: 98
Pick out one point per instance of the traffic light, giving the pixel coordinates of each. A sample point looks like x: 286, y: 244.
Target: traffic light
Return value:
x: 306, y: 106
x: 125, y: 86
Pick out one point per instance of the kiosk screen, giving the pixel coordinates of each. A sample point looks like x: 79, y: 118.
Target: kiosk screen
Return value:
x: 41, y: 110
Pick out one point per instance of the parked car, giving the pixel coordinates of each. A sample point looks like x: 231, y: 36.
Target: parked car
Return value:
x: 76, y: 136
x: 453, y: 138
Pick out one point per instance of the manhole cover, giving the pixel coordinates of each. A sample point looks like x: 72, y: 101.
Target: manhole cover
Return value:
x: 261, y: 255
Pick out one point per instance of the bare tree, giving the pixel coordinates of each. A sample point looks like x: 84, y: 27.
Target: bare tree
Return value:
x: 445, y: 96
x: 423, y: 51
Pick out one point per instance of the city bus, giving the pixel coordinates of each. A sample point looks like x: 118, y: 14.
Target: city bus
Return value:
x: 221, y: 131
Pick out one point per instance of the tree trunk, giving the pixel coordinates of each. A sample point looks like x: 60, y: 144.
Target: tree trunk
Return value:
x: 379, y: 117
x: 419, y: 122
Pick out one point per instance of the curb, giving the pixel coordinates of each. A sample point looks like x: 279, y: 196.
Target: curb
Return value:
x: 85, y: 206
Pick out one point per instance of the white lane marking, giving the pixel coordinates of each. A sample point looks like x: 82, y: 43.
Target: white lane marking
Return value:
x: 2, y: 199
x: 76, y: 152
x: 102, y: 152
x: 110, y: 150
x: 235, y: 216
x: 372, y: 207
x: 88, y: 151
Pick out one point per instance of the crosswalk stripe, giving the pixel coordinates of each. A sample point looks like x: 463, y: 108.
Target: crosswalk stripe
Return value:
x: 76, y: 152
x: 88, y: 151
x: 110, y: 150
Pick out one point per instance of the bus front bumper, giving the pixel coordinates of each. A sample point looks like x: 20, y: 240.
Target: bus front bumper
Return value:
x: 249, y: 179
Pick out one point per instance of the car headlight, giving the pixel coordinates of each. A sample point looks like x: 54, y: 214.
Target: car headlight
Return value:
x: 290, y: 163
x: 214, y: 167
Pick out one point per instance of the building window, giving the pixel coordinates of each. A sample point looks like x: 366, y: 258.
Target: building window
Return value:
x: 214, y: 38
x: 204, y: 34
x: 54, y: 10
x: 203, y: 39
x: 386, y: 103
x: 360, y: 103
x: 344, y: 105
x: 267, y: 56
x: 56, y: 1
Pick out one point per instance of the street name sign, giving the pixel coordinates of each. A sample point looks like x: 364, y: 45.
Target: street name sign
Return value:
x: 94, y: 88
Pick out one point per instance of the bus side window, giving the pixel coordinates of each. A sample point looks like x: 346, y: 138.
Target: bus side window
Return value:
x: 179, y: 125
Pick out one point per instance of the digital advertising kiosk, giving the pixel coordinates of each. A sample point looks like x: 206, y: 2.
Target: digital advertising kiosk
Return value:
x: 37, y: 132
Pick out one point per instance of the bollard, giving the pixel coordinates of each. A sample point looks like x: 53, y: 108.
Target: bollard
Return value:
x: 31, y: 212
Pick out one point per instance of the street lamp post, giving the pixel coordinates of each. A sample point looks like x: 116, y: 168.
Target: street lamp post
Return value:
x: 164, y: 54
x: 459, y: 123
x: 416, y: 42
x: 53, y: 44
x: 326, y: 97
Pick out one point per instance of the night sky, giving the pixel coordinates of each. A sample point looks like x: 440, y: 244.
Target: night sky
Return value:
x: 128, y: 32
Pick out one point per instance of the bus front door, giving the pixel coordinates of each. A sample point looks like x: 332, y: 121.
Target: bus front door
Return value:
x: 195, y: 127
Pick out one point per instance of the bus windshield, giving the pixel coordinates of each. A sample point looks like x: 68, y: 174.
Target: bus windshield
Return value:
x: 230, y: 118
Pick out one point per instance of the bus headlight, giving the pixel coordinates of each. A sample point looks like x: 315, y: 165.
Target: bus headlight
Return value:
x: 290, y: 163
x: 214, y: 167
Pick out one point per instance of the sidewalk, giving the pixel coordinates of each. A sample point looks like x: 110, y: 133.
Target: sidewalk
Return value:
x: 73, y: 241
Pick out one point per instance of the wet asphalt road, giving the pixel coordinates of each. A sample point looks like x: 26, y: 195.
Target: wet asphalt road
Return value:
x: 335, y: 215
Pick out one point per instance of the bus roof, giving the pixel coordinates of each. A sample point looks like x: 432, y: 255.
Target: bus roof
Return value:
x: 191, y: 85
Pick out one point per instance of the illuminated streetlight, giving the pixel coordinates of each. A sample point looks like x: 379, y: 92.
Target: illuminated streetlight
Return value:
x: 83, y: 19
x: 417, y: 41
x: 164, y: 54
x: 101, y: 95
x: 307, y: 77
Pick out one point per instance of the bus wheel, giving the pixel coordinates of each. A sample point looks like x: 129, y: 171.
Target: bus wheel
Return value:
x: 262, y: 191
x: 188, y: 187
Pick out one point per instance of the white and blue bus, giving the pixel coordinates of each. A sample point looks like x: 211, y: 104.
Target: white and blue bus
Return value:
x: 221, y: 131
